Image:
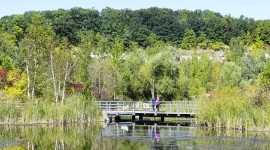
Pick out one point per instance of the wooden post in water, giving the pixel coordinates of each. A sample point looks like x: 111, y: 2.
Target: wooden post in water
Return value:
x: 133, y: 129
x: 117, y: 130
x: 162, y: 119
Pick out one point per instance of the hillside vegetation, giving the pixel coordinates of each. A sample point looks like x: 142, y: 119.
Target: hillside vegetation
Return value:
x: 52, y: 56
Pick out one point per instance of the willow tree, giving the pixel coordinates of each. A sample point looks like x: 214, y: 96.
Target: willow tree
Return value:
x: 159, y: 73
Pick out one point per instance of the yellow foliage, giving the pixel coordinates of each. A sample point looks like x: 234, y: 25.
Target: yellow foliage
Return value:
x: 257, y: 52
x: 14, y: 148
x: 18, y: 81
x: 75, y: 49
x: 57, y: 50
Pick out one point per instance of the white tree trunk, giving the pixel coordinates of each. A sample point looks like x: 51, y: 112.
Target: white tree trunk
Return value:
x: 53, y: 80
x: 64, y: 83
x: 152, y: 89
x: 35, y: 76
x: 28, y: 79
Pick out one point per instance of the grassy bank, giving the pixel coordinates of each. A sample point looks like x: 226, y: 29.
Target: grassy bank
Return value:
x: 245, y: 109
x: 74, y: 110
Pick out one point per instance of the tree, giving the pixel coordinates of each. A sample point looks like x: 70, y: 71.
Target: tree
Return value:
x: 262, y: 31
x: 264, y: 76
x: 215, y: 26
x: 236, y: 51
x: 7, y: 64
x: 251, y: 67
x: 96, y: 45
x: 34, y: 48
x: 196, y: 74
x: 230, y: 75
x: 15, y: 87
x: 158, y: 68
x: 134, y: 86
x: 8, y: 47
x: 117, y: 62
x: 203, y: 42
x: 62, y: 61
x: 189, y: 40
x: 68, y: 23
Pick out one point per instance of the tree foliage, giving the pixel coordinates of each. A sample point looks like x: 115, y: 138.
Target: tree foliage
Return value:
x: 129, y: 54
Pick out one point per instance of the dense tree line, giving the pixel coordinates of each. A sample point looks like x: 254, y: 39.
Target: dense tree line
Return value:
x: 140, y: 26
x: 128, y: 54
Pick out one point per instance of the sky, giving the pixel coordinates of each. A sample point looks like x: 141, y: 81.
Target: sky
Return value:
x: 257, y: 9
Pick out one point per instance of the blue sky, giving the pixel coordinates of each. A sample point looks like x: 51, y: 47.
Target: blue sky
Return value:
x: 256, y: 9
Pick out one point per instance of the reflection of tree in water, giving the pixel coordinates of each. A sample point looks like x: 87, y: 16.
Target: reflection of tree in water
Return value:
x: 52, y: 137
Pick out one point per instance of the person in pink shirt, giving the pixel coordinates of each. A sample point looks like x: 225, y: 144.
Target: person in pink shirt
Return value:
x: 157, y: 103
x: 157, y: 134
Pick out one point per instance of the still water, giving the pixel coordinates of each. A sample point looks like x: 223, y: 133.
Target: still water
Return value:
x: 128, y: 135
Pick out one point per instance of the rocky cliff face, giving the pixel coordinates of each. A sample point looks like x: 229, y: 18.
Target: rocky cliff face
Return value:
x: 213, y: 55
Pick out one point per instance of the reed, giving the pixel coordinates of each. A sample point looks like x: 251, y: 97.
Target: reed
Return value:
x: 74, y: 110
x: 234, y: 109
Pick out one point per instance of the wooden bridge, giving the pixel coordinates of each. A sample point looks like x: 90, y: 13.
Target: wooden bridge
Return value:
x: 117, y: 109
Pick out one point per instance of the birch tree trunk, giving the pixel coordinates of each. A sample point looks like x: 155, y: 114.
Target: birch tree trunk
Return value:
x: 64, y: 83
x: 53, y: 79
x: 35, y: 76
x: 152, y: 89
x: 28, y: 79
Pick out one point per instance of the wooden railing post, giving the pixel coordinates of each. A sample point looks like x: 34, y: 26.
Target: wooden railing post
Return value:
x: 133, y: 129
x: 117, y: 130
x: 107, y: 106
x: 155, y: 108
x: 110, y: 106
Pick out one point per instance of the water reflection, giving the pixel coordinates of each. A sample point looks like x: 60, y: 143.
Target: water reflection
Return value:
x: 128, y: 135
x: 155, y: 133
x: 162, y: 136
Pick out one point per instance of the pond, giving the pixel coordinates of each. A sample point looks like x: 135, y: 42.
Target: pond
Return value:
x: 128, y: 135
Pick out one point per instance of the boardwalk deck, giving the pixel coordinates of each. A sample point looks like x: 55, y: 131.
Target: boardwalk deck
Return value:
x: 119, y: 109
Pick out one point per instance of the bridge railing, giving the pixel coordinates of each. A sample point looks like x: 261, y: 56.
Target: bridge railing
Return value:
x: 165, y: 106
x: 146, y: 131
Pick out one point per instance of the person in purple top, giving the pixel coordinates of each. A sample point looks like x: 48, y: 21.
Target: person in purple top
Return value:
x: 153, y: 103
x: 158, y: 103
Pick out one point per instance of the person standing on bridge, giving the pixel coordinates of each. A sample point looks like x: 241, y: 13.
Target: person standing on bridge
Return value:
x: 157, y: 103
x: 153, y: 103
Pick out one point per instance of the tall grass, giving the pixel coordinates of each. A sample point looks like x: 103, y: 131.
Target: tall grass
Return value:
x: 75, y: 109
x: 234, y: 109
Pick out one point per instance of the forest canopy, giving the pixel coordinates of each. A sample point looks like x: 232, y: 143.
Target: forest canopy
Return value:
x: 129, y: 54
